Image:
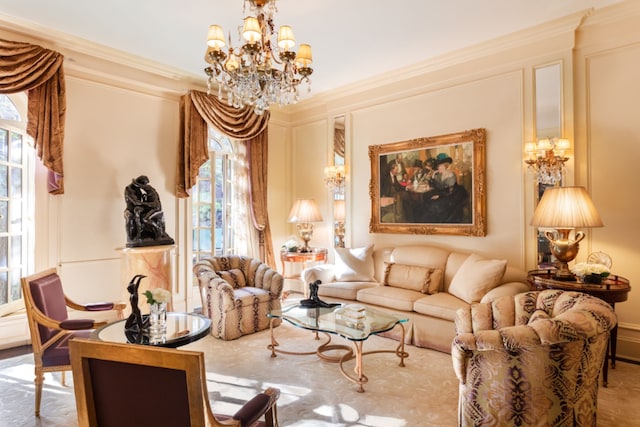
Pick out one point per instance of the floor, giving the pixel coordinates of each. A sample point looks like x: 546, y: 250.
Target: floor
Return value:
x: 313, y: 392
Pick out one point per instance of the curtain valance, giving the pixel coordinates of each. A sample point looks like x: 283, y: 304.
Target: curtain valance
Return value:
x: 39, y: 72
x: 197, y: 110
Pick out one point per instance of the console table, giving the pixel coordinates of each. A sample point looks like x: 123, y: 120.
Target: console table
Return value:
x: 613, y: 289
x: 314, y: 255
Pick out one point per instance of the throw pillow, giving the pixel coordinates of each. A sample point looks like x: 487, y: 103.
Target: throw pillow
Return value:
x: 234, y: 277
x: 354, y: 264
x: 477, y: 276
x: 422, y: 279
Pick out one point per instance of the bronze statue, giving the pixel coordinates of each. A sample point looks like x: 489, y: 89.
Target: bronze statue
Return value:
x: 314, y: 301
x: 135, y: 324
x: 143, y: 215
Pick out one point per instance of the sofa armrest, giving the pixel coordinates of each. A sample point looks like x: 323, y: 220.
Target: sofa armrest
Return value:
x: 510, y: 288
x: 323, y: 272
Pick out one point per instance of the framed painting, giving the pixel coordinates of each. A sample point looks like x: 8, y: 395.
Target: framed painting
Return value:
x: 433, y: 185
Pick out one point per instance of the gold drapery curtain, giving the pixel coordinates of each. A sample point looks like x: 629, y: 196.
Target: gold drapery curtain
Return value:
x: 39, y: 72
x: 197, y: 110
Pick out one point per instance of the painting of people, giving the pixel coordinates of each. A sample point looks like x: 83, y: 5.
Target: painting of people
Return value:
x: 429, y: 185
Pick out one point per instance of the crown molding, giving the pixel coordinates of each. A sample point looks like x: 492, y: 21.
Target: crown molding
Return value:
x: 561, y: 31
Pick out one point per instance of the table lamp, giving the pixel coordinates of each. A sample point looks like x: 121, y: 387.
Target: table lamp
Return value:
x: 565, y: 208
x: 303, y: 214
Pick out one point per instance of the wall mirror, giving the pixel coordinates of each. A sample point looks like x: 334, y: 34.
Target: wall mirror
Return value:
x: 338, y: 162
x: 548, y: 119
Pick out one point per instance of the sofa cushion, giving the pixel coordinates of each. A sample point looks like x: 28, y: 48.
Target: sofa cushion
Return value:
x: 234, y: 277
x: 354, y: 264
x: 476, y: 277
x: 422, y: 279
x: 441, y: 305
x: 343, y: 290
x: 389, y: 297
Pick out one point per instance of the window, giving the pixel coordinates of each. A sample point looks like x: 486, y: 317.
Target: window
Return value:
x: 16, y: 203
x: 212, y: 199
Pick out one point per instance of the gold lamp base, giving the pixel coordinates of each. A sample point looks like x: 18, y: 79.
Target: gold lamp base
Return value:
x: 305, y: 231
x: 564, y: 250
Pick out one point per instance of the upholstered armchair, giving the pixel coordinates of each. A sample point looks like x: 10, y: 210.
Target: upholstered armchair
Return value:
x: 237, y: 293
x: 50, y: 326
x: 532, y: 359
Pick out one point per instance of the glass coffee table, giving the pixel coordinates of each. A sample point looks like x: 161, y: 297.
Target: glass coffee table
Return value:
x: 332, y: 321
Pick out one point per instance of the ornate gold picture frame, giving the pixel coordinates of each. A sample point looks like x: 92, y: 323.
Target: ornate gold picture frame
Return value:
x: 433, y: 185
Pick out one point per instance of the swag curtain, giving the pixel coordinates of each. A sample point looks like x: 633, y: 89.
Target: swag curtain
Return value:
x: 39, y: 72
x: 197, y: 110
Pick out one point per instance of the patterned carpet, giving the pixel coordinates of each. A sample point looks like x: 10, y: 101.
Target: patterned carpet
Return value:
x: 314, y: 392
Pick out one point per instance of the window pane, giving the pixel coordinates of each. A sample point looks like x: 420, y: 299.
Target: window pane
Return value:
x: 16, y: 148
x: 4, y: 181
x: 205, y: 170
x: 194, y: 240
x: 16, y: 291
x: 4, y: 145
x: 8, y: 110
x: 4, y: 216
x: 4, y: 288
x: 204, y: 188
x: 15, y: 213
x: 4, y: 251
x: 16, y: 182
x: 205, y: 240
x: 205, y: 216
x: 16, y: 251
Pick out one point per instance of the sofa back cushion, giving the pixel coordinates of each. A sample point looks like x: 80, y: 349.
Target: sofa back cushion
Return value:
x: 477, y: 276
x: 354, y: 264
x: 427, y: 280
x: 235, y: 277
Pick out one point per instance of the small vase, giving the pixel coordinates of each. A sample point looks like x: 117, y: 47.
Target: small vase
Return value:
x: 158, y: 323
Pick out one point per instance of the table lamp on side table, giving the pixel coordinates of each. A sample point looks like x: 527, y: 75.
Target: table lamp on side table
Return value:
x: 565, y: 208
x: 303, y: 214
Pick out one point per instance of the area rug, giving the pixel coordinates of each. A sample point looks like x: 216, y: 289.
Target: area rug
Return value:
x: 313, y: 392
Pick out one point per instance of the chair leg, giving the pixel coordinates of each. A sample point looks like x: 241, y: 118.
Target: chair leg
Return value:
x: 39, y: 380
x: 63, y: 380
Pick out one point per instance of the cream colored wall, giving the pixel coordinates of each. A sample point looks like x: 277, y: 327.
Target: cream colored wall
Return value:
x: 117, y: 136
x: 607, y: 61
x: 599, y: 53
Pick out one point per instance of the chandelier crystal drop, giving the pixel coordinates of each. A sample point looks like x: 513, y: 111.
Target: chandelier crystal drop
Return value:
x: 265, y: 69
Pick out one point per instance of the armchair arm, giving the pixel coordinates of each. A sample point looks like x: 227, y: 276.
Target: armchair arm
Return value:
x: 323, y: 272
x: 97, y: 306
x: 263, y: 403
x: 221, y: 291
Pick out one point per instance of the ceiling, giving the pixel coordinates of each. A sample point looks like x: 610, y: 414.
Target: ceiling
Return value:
x: 351, y: 39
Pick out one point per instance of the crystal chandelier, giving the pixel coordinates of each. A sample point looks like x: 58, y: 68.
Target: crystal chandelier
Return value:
x: 546, y: 159
x: 260, y: 72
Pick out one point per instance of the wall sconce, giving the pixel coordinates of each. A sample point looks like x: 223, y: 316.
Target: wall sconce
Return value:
x: 565, y: 208
x: 304, y: 212
x: 334, y: 176
x: 339, y: 215
x: 546, y: 159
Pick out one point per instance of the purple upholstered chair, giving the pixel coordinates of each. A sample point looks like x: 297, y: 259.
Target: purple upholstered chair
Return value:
x: 129, y: 385
x: 50, y: 326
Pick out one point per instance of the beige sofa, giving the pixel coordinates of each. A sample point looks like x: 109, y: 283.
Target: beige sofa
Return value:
x: 427, y: 284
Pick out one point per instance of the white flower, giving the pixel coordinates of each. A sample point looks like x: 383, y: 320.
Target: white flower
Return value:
x: 584, y: 269
x: 157, y: 296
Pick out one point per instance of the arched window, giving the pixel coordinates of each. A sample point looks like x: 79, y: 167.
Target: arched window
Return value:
x: 17, y: 200
x: 212, y: 199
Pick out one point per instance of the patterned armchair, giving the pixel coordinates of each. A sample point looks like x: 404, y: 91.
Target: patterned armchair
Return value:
x: 532, y: 359
x: 237, y: 293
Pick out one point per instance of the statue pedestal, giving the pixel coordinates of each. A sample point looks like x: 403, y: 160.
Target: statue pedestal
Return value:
x: 155, y: 262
